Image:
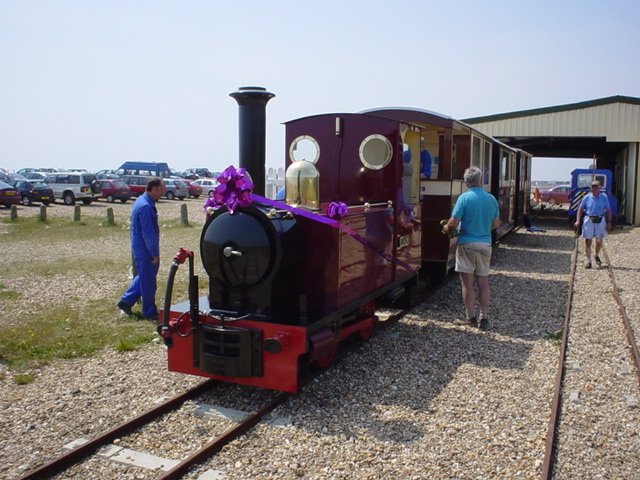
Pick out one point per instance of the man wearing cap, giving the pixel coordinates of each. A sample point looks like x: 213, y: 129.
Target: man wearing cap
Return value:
x: 595, y: 209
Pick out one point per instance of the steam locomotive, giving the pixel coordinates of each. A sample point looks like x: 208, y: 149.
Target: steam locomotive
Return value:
x: 290, y: 280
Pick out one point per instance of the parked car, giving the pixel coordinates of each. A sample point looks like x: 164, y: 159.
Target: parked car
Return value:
x: 206, y: 184
x: 10, y: 177
x: 176, y: 189
x: 149, y: 169
x: 137, y: 183
x: 556, y: 195
x: 74, y: 186
x: 114, y: 190
x: 195, y: 173
x: 8, y: 195
x: 194, y: 189
x: 36, y: 176
x: 33, y: 192
x: 110, y: 174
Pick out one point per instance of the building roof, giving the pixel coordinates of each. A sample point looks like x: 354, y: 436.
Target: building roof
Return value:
x: 612, y: 119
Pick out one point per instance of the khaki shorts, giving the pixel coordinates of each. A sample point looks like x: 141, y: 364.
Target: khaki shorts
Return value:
x: 591, y: 230
x: 474, y: 257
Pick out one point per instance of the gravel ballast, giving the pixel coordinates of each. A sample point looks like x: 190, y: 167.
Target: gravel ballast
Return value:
x: 422, y: 399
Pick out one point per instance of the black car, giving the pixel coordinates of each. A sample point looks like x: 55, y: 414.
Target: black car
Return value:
x: 33, y: 192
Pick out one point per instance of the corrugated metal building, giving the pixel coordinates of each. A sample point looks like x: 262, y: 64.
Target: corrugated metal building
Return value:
x: 607, y: 129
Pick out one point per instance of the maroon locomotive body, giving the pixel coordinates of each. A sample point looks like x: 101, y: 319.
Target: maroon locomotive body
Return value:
x: 289, y: 281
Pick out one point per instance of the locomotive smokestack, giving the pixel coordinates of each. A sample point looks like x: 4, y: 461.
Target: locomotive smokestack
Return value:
x: 252, y: 123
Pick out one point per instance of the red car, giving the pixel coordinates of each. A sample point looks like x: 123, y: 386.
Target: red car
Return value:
x: 195, y: 190
x: 114, y: 190
x: 556, y: 195
x: 9, y: 195
x: 137, y: 183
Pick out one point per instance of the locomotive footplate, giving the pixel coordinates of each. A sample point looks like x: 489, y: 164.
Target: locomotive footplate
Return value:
x: 229, y: 351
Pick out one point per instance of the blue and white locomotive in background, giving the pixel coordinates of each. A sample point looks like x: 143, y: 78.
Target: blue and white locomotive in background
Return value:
x: 581, y: 179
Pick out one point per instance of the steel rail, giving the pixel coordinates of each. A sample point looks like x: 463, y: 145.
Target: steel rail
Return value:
x: 547, y: 467
x: 82, y: 451
x: 549, y: 454
x: 219, y: 442
x: 631, y: 340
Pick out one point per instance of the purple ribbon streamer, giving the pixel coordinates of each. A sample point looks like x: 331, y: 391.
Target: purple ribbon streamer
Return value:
x: 335, y: 224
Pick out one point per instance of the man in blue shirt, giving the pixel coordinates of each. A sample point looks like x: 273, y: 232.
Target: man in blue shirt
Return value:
x: 145, y: 246
x: 595, y: 207
x: 476, y: 214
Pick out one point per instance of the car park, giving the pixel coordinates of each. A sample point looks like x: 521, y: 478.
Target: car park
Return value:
x: 556, y: 195
x: 73, y: 186
x: 175, y: 189
x: 194, y: 189
x: 207, y: 184
x: 8, y: 195
x: 136, y: 183
x: 114, y: 190
x: 33, y: 192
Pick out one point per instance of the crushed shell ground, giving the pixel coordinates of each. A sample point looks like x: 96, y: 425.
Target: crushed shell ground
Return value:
x: 423, y: 399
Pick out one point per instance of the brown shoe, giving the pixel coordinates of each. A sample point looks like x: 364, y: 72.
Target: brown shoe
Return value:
x: 484, y: 323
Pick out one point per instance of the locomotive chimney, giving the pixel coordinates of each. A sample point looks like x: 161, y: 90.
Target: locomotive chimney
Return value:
x: 252, y: 122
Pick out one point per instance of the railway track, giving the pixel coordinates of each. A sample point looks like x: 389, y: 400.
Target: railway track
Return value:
x: 564, y: 395
x: 89, y: 448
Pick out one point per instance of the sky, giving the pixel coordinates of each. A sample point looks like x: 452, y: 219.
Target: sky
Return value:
x: 91, y: 84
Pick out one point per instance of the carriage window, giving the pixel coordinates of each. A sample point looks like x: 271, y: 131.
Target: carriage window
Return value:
x: 505, y: 173
x: 487, y: 162
x: 306, y: 148
x: 375, y: 152
x: 476, y: 153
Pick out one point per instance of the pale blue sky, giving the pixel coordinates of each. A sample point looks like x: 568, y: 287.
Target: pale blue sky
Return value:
x: 91, y: 84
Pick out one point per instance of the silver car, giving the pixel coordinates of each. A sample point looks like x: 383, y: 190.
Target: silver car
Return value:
x: 176, y: 189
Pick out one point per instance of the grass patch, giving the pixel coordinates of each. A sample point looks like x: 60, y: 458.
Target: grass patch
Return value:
x: 6, y: 294
x: 554, y: 337
x: 57, y: 228
x: 23, y: 378
x: 74, y: 327
x: 62, y: 333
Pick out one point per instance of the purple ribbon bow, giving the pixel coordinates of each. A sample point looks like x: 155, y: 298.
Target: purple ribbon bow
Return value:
x: 234, y: 189
x: 337, y: 210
